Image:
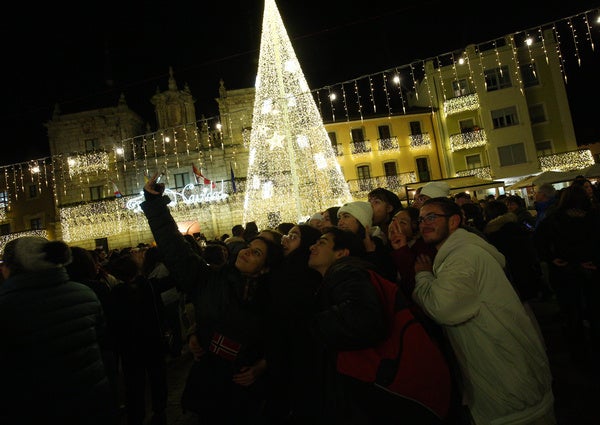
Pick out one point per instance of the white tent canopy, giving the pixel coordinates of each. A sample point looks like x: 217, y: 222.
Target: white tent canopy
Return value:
x: 555, y: 177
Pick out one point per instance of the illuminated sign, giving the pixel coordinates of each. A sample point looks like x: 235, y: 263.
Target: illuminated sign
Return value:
x: 190, y: 194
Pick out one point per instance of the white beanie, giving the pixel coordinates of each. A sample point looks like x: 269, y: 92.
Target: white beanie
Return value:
x: 360, y: 210
x: 436, y: 190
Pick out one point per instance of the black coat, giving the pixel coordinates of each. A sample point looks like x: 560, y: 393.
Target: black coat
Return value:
x: 50, y: 359
x: 225, y: 303
x: 349, y: 316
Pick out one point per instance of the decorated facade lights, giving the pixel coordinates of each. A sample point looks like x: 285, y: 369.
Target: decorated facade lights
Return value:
x: 566, y: 161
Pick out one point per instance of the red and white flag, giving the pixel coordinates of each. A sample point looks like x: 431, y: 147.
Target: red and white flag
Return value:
x: 200, y: 177
x: 116, y: 190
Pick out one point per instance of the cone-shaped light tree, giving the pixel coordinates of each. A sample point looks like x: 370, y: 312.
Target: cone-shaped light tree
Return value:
x: 292, y: 169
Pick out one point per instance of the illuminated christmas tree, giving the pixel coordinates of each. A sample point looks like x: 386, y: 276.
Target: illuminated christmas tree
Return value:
x: 292, y: 169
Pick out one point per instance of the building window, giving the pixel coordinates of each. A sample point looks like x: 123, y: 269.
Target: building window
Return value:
x: 505, y: 117
x: 460, y: 87
x: 3, y: 199
x: 364, y: 177
x: 357, y: 135
x: 415, y: 128
x: 95, y: 193
x: 91, y: 145
x: 529, y: 75
x: 5, y: 229
x: 384, y: 132
x: 390, y: 169
x: 537, y: 114
x: 423, y: 169
x: 543, y: 147
x: 363, y: 172
x: 497, y: 78
x: 512, y: 154
x: 337, y: 149
x: 35, y: 223
x: 473, y: 161
x: 333, y: 138
x: 181, y: 180
x: 466, y: 126
x: 33, y: 191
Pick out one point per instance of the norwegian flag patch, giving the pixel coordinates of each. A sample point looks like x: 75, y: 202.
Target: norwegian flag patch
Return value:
x: 224, y: 347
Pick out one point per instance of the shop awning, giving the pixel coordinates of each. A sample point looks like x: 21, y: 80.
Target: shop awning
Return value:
x: 461, y: 184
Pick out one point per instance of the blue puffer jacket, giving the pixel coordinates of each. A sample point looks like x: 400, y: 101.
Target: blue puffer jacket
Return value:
x: 51, y: 366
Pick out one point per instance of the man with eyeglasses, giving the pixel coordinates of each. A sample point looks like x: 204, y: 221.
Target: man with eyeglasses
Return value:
x: 504, y: 369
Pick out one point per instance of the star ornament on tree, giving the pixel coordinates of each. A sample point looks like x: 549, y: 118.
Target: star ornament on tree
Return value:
x: 276, y: 141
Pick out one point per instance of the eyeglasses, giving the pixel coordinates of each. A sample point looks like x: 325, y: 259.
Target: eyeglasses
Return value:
x: 430, y: 218
x: 291, y: 236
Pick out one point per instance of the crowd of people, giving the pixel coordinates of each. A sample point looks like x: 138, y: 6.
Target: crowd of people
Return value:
x: 265, y: 312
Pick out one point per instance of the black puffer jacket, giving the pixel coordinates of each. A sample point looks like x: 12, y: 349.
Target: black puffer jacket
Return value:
x: 50, y: 358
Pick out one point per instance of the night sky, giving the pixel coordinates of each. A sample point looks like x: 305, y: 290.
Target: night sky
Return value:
x: 83, y: 57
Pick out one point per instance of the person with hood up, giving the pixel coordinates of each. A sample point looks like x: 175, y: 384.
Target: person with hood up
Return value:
x: 52, y: 331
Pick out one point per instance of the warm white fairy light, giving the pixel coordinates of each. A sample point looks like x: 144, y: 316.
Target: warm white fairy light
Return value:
x: 458, y: 104
x: 292, y: 165
x: 468, y: 140
x: 420, y: 141
x: 4, y: 239
x: 480, y: 172
x: 567, y: 161
x: 87, y: 163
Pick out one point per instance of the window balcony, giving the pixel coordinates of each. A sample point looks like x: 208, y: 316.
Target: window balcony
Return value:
x: 361, y: 187
x: 481, y: 172
x: 361, y: 147
x: 388, y: 145
x: 455, y: 105
x: 420, y: 141
x: 566, y: 161
x: 338, y: 150
x: 468, y: 140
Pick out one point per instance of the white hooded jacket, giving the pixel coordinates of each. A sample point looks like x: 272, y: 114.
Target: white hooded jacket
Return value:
x: 505, y: 370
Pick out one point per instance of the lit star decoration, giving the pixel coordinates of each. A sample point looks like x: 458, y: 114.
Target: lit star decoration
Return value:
x: 276, y: 141
x: 294, y: 172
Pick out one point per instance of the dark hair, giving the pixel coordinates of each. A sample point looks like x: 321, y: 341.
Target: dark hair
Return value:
x: 473, y: 215
x: 83, y: 265
x: 124, y: 268
x: 215, y: 253
x: 388, y: 197
x: 275, y: 234
x: 251, y: 230
x: 237, y: 230
x: 515, y: 199
x: 345, y: 239
x: 332, y: 213
x: 152, y: 256
x: 308, y: 237
x: 463, y: 195
x: 574, y: 197
x: 494, y: 209
x: 447, y: 205
x: 413, y: 213
x: 284, y: 228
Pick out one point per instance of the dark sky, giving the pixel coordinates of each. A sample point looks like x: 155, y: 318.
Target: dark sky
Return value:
x: 66, y: 56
